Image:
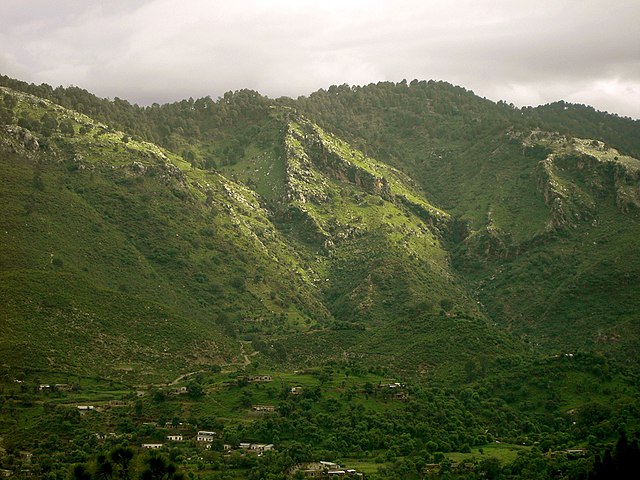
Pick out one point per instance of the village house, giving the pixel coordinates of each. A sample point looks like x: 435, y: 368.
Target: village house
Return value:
x: 205, y: 436
x: 296, y: 390
x: 259, y: 378
x: 174, y: 438
x: 394, y: 385
x: 572, y: 453
x: 396, y: 390
x: 325, y: 470
x: 152, y: 446
x: 336, y: 473
x: 263, y: 408
x: 576, y: 452
x: 259, y: 448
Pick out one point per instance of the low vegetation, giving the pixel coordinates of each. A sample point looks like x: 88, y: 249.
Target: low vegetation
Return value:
x: 399, y: 280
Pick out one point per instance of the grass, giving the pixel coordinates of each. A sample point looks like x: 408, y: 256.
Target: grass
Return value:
x: 261, y: 169
x: 504, y: 452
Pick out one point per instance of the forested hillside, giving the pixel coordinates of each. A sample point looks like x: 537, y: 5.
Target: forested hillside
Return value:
x: 409, y: 250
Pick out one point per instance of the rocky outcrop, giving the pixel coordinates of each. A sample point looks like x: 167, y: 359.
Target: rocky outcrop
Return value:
x: 306, y: 149
x: 336, y: 167
x: 577, y: 173
x: 628, y: 197
x: 20, y: 139
x: 303, y: 184
x: 316, y: 160
x: 567, y: 203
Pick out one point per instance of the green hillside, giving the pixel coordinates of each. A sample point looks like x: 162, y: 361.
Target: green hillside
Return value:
x: 436, y: 211
x: 400, y: 277
x: 545, y: 201
x: 117, y: 249
x: 121, y: 250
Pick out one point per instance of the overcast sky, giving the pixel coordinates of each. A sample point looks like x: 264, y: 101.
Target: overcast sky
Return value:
x: 521, y: 51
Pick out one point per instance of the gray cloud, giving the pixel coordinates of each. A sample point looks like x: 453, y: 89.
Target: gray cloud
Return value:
x: 525, y: 52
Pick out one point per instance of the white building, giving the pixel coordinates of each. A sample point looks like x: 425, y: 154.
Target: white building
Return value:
x: 205, y: 436
x: 261, y: 447
x: 264, y: 408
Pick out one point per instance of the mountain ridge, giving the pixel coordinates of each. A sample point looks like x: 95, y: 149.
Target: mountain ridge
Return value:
x: 413, y: 258
x: 87, y: 157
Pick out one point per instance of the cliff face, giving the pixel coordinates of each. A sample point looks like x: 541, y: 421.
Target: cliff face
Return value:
x: 311, y: 153
x: 579, y: 173
x: 568, y: 204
